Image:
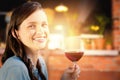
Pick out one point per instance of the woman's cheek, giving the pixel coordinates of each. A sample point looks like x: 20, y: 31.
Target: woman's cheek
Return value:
x: 32, y: 32
x: 47, y: 32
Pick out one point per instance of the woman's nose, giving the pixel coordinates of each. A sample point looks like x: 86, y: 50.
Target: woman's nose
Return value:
x: 40, y: 30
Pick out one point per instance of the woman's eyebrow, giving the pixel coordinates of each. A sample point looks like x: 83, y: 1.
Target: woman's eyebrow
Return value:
x: 32, y: 22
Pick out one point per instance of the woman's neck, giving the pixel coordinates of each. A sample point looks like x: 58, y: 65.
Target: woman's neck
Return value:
x: 33, y: 55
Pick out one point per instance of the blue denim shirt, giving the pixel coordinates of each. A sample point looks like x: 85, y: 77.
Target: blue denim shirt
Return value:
x: 15, y: 69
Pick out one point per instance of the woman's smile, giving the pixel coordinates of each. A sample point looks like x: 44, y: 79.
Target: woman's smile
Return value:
x: 40, y: 39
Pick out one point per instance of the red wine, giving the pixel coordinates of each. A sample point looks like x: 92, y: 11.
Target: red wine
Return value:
x: 74, y: 55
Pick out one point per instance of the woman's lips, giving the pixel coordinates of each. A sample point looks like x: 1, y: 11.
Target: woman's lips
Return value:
x: 42, y: 39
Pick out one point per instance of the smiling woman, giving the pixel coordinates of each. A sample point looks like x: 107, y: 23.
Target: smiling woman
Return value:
x: 36, y: 28
x: 27, y: 36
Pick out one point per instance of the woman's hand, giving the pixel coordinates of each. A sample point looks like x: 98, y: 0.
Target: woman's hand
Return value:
x: 71, y: 73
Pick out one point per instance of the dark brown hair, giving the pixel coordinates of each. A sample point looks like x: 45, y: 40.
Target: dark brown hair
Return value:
x: 13, y: 44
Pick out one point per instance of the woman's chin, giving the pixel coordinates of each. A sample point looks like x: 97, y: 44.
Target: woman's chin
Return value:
x: 41, y: 46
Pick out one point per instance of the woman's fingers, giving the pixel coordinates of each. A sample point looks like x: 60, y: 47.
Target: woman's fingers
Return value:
x: 71, y: 73
x: 76, y: 71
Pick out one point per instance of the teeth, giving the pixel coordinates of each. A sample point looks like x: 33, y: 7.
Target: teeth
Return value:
x: 38, y: 38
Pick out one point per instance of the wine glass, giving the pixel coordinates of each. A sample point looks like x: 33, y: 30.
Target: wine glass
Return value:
x: 74, y: 50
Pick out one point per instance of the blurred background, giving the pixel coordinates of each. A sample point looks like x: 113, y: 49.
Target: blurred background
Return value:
x: 91, y: 25
x: 79, y: 19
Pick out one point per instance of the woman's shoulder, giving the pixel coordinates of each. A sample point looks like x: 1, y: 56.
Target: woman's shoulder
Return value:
x: 14, y: 69
x: 14, y: 62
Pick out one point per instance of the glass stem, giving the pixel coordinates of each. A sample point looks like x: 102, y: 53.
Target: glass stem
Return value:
x: 74, y: 63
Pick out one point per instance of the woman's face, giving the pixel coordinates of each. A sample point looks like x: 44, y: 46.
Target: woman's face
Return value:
x: 33, y: 31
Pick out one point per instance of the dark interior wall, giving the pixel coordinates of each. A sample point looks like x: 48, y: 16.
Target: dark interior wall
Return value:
x: 6, y: 6
x: 2, y: 28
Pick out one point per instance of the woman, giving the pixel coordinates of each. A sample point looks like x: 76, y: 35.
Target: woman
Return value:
x: 27, y: 35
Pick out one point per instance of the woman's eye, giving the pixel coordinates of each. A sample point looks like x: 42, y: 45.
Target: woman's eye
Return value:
x: 44, y: 25
x: 32, y: 26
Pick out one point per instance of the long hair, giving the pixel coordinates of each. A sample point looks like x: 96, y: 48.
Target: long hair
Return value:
x: 13, y: 44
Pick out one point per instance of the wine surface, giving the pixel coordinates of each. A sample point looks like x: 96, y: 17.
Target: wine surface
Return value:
x: 73, y: 55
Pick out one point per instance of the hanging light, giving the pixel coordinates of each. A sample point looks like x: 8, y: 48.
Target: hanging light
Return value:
x: 61, y: 8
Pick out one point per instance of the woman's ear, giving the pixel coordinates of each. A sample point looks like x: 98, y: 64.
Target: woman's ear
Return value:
x: 15, y: 34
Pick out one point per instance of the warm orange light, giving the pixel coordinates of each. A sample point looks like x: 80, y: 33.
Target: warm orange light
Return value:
x: 61, y: 8
x: 59, y: 27
x: 56, y: 41
x: 94, y: 28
